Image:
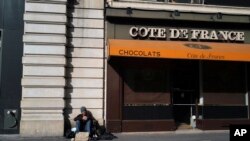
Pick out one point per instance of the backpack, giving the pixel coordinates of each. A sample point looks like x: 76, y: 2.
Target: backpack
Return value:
x: 97, y: 129
x: 107, y: 136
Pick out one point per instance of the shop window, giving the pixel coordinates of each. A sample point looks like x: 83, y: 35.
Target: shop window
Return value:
x: 146, y: 90
x: 225, y: 112
x: 162, y: 0
x: 181, y: 1
x: 146, y: 87
x: 226, y: 77
x: 146, y: 80
x: 238, y: 3
x: 241, y: 3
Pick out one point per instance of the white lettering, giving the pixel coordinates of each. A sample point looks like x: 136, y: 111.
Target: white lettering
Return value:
x: 183, y: 33
x: 243, y: 131
x: 153, y: 32
x: 213, y: 35
x: 195, y: 34
x: 174, y: 33
x: 241, y: 36
x: 143, y: 32
x: 237, y: 132
x: 161, y: 33
x: 232, y: 35
x: 204, y: 35
x: 223, y: 35
x: 133, y: 31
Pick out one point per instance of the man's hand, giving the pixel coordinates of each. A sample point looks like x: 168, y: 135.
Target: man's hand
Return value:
x: 84, y: 117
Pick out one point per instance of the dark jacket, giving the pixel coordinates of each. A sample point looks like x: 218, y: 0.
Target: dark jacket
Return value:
x: 88, y: 114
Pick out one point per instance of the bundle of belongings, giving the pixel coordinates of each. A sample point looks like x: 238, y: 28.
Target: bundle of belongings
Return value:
x: 87, y: 128
x: 98, y: 133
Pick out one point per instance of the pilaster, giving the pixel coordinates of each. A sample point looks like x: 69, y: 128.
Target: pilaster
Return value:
x: 85, y: 59
x: 44, y: 63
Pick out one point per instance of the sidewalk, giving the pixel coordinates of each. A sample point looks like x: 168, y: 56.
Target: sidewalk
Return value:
x: 179, y: 135
x: 19, y: 138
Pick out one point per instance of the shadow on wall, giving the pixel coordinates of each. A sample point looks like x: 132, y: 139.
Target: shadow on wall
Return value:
x: 68, y: 110
x: 69, y: 66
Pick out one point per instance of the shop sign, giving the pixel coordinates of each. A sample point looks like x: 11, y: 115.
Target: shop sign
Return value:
x: 141, y: 53
x: 185, y: 34
x: 179, y: 50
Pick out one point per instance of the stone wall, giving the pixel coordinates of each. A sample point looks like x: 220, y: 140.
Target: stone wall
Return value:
x: 63, y: 64
x: 44, y: 64
x: 85, y: 59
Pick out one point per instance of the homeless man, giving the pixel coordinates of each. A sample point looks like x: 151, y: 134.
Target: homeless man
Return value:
x: 84, y: 121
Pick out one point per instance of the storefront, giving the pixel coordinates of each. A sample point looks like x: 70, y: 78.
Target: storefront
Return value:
x: 165, y: 73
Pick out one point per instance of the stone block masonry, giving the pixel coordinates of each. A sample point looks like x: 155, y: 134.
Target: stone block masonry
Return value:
x: 63, y: 64
x: 44, y: 62
x: 85, y: 59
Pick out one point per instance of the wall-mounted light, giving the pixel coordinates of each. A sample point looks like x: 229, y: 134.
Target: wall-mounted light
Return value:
x: 175, y: 13
x: 217, y: 16
x: 129, y: 11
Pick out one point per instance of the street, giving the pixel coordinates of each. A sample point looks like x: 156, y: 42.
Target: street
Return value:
x: 142, y: 136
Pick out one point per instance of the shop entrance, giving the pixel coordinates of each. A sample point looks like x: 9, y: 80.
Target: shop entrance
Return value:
x: 149, y: 94
x: 185, y: 91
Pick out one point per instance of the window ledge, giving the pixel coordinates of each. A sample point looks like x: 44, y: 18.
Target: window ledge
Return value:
x: 196, y: 8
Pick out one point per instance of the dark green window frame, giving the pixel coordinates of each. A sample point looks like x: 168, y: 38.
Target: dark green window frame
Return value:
x: 1, y: 37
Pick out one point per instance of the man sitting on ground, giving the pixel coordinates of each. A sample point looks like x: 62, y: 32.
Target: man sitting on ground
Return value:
x: 84, y: 121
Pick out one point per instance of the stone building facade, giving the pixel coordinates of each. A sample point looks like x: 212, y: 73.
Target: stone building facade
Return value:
x: 63, y: 64
x: 67, y: 63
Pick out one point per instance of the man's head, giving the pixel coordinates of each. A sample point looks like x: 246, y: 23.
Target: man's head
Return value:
x: 83, y: 110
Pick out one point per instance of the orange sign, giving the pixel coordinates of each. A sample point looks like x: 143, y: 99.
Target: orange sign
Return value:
x: 180, y: 50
